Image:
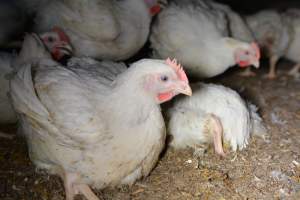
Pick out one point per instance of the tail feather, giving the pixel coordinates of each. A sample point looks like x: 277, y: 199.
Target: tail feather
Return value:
x: 257, y: 126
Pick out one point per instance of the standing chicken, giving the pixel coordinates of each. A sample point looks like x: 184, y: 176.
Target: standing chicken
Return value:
x: 206, y: 37
x: 212, y: 113
x: 102, y: 29
x: 273, y: 35
x: 58, y: 46
x: 293, y: 20
x: 90, y: 127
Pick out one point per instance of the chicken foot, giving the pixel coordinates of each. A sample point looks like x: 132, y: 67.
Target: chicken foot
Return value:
x: 217, y: 131
x: 272, y: 69
x: 72, y: 188
x: 295, y: 71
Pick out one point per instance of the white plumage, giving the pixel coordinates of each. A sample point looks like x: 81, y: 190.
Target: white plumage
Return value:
x: 205, y: 36
x: 273, y: 35
x: 192, y: 120
x: 278, y: 34
x: 102, y: 29
x: 293, y: 18
x: 90, y: 125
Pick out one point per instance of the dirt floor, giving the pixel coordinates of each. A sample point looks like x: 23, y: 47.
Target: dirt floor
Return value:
x: 267, y: 169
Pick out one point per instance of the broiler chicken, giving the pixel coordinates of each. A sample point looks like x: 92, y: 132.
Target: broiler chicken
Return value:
x: 205, y: 36
x: 278, y: 34
x: 214, y: 114
x: 101, y: 29
x: 10, y: 63
x: 273, y: 35
x: 88, y: 125
x: 293, y: 20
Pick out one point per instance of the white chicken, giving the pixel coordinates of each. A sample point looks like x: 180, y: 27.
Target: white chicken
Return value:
x: 205, y: 36
x: 90, y: 127
x: 214, y: 114
x: 279, y: 35
x: 101, y: 29
x: 273, y: 35
x: 9, y: 63
x: 292, y: 16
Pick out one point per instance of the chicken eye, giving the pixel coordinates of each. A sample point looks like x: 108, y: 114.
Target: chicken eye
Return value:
x: 51, y: 39
x: 247, y: 53
x: 164, y: 78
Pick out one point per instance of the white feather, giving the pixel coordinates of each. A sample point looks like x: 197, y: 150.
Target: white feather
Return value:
x: 102, y: 29
x: 189, y: 117
x: 88, y: 120
x: 197, y: 34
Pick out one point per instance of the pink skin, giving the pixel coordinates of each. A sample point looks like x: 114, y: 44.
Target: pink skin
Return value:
x: 217, y: 129
x: 166, y: 86
x: 247, y: 57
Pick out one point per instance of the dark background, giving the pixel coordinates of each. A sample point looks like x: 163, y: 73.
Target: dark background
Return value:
x: 251, y: 6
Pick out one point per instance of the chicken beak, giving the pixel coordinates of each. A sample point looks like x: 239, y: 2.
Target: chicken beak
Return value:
x: 184, y: 88
x: 66, y: 49
x: 256, y: 63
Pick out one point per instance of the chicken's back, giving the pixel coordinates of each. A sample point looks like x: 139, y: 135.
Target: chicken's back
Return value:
x: 224, y: 103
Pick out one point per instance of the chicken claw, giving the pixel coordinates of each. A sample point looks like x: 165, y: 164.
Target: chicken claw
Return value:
x: 272, y: 70
x: 72, y: 188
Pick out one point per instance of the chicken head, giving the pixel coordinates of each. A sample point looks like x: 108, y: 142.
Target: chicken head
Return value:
x: 167, y: 84
x: 248, y: 56
x: 57, y: 43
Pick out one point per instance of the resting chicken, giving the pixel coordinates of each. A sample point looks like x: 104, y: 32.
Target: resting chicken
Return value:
x: 213, y: 115
x: 91, y: 125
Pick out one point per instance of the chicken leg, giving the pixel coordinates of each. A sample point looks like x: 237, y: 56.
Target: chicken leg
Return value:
x: 217, y: 131
x: 295, y: 71
x: 72, y: 187
x: 272, y: 69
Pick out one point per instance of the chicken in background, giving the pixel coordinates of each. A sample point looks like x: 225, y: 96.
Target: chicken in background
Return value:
x: 102, y: 29
x: 278, y: 34
x: 292, y: 16
x: 87, y: 125
x: 273, y: 35
x: 213, y: 115
x: 56, y: 43
x: 205, y: 36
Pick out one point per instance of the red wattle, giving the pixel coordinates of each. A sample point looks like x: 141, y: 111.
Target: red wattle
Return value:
x: 243, y: 64
x: 163, y: 97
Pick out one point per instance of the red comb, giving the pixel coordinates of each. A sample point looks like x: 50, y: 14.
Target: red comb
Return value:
x: 178, y: 69
x: 256, y: 48
x: 62, y: 35
x: 155, y: 9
